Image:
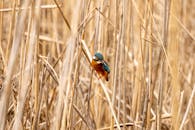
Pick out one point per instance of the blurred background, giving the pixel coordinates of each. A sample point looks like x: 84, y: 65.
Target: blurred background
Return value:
x: 47, y: 82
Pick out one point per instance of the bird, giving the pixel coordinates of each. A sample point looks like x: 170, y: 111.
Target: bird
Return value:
x: 100, y: 66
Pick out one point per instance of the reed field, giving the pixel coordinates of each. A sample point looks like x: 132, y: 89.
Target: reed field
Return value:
x: 47, y: 81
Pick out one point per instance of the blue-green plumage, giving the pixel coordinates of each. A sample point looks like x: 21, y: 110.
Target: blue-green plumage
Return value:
x: 99, y: 56
x: 106, y: 68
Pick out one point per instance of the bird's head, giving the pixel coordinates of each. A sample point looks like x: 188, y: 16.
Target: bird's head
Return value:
x: 98, y: 57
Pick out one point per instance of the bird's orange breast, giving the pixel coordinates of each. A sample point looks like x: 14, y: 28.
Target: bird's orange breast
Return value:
x: 99, y: 69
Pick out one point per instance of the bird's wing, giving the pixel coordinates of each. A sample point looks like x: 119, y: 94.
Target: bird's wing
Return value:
x: 106, y: 67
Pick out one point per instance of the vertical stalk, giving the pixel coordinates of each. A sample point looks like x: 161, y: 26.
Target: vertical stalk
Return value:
x: 115, y: 65
x: 173, y: 54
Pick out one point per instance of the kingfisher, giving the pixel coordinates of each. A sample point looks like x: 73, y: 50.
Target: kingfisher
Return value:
x: 100, y: 66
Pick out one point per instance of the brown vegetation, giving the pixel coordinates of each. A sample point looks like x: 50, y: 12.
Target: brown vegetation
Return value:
x: 46, y: 81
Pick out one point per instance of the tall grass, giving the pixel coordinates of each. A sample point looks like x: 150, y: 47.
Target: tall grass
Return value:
x: 46, y: 79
